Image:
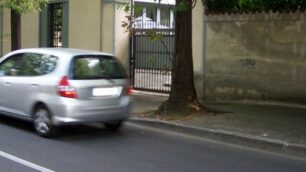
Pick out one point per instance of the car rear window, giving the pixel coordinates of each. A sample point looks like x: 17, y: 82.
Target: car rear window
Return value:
x: 97, y: 67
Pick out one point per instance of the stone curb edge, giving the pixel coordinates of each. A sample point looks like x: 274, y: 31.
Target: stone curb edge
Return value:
x: 248, y: 140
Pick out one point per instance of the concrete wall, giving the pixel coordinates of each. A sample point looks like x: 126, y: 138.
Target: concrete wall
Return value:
x: 30, y: 39
x: 85, y: 24
x: 255, y: 57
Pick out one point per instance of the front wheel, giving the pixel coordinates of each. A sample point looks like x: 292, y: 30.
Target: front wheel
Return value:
x: 113, y: 125
x: 42, y: 122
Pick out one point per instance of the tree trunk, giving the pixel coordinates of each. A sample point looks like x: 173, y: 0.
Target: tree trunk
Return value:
x: 182, y: 89
x: 182, y: 98
x: 15, y: 30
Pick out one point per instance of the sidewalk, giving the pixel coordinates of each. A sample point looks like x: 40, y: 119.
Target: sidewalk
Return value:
x: 271, y: 127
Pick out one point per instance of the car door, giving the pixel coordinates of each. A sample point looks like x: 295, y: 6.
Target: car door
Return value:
x: 32, y: 82
x: 26, y: 85
x: 9, y: 70
x: 3, y: 94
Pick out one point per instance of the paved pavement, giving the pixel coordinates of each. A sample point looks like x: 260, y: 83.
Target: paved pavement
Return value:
x: 277, y: 128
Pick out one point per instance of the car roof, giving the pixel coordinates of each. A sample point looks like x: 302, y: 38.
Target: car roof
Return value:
x: 61, y: 51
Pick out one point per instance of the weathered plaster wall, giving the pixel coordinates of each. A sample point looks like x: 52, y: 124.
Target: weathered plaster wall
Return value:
x: 198, y: 50
x: 255, y: 57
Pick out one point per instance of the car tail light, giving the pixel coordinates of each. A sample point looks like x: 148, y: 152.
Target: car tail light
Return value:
x: 127, y: 91
x: 64, y: 89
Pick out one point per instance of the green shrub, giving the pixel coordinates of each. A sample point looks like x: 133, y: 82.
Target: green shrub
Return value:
x: 234, y: 6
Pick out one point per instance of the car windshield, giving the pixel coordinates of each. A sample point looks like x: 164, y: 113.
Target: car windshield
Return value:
x: 97, y: 67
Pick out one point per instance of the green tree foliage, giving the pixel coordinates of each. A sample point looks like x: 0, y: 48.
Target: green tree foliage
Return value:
x: 24, y: 6
x: 221, y: 5
x: 235, y: 6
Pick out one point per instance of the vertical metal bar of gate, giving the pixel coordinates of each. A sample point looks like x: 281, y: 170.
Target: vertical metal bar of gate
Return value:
x: 132, y: 60
x: 150, y: 64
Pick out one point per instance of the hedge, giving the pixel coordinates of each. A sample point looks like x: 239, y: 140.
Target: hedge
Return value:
x: 238, y: 6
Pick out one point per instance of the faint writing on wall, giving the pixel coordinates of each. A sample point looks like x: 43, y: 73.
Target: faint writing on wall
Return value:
x: 247, y: 62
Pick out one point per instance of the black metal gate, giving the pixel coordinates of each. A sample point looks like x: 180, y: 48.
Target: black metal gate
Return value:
x: 151, y: 59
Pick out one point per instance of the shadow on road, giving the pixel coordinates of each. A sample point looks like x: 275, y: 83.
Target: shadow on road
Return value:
x: 74, y: 132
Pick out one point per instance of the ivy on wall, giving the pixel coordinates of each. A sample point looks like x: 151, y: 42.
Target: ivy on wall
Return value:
x: 239, y: 6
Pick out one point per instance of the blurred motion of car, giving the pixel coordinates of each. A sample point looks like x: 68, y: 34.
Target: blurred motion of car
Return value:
x: 61, y: 86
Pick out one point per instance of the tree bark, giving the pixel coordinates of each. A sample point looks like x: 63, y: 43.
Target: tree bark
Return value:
x: 183, y: 97
x: 182, y: 89
x: 15, y: 30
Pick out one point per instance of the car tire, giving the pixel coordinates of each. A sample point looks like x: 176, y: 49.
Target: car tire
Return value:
x: 42, y: 122
x: 113, y: 125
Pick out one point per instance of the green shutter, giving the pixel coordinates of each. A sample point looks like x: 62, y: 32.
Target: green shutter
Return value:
x: 65, y: 35
x: 43, y: 28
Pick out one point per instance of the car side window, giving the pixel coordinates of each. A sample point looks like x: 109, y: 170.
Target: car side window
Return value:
x: 29, y: 64
x: 48, y: 64
x: 11, y: 66
x: 38, y: 64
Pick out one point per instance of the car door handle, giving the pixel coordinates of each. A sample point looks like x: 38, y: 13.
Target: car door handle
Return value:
x: 7, y: 83
x: 34, y: 85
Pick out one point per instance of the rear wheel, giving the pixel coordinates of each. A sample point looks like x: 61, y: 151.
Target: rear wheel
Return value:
x: 42, y: 122
x: 113, y: 125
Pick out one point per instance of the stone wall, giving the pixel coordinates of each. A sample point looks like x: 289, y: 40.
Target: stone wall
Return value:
x: 259, y: 57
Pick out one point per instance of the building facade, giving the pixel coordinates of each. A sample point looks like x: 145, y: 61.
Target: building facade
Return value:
x: 154, y: 14
x: 74, y: 24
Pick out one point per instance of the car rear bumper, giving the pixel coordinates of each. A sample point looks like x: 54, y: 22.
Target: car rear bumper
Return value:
x: 79, y: 113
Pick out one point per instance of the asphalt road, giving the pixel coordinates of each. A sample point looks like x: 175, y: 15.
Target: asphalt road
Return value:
x: 135, y: 148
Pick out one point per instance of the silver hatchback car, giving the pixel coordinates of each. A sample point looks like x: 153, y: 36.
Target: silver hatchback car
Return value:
x: 59, y: 86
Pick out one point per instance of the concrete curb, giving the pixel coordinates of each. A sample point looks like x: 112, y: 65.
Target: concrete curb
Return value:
x: 259, y: 142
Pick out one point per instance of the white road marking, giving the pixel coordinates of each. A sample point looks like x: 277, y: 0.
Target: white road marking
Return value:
x: 24, y: 162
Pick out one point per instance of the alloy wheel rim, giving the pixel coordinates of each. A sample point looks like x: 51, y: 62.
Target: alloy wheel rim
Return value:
x: 42, y: 121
